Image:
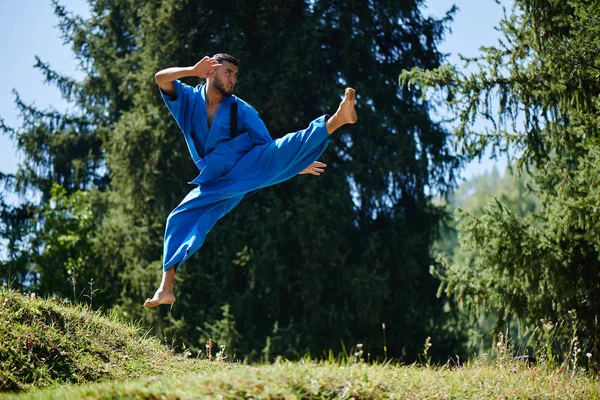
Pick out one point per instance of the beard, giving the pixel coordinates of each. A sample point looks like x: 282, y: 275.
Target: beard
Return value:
x: 220, y: 86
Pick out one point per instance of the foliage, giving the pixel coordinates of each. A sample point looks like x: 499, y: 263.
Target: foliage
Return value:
x: 16, y: 223
x: 68, y: 225
x: 474, y: 194
x: 300, y: 267
x: 471, y: 199
x: 538, y: 89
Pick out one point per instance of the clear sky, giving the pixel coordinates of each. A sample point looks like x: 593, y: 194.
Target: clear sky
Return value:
x: 29, y: 28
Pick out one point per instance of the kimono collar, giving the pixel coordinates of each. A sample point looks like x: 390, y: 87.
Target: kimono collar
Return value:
x: 216, y: 133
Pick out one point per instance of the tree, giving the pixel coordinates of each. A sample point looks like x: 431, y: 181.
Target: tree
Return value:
x: 471, y: 200
x: 304, y: 265
x: 544, y: 75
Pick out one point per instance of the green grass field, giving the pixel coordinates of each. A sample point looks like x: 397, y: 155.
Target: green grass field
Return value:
x: 311, y: 380
x: 55, y: 351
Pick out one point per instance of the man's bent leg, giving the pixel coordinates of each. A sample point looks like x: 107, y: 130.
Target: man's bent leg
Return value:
x: 164, y: 294
x: 193, y: 218
x: 345, y: 113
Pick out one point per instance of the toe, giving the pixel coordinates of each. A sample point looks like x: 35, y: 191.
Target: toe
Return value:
x: 349, y: 95
x: 149, y: 303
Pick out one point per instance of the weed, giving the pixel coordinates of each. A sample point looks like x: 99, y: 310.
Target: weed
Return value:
x: 426, y: 348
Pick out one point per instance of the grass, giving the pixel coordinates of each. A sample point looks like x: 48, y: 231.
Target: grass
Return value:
x: 313, y: 380
x: 53, y: 351
x: 46, y: 343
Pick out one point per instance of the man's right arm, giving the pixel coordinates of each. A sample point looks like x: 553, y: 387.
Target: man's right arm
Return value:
x: 166, y: 77
x: 202, y: 69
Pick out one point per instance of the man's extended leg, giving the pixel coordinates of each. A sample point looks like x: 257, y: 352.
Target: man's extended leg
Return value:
x: 345, y: 113
x: 164, y: 294
x: 286, y: 157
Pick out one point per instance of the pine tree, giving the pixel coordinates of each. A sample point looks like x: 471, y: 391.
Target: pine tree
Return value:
x: 473, y: 198
x: 542, y: 268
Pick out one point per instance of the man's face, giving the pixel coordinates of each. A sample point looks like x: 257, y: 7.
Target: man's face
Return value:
x: 225, y: 78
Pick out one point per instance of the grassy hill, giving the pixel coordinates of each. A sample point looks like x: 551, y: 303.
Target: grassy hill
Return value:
x: 45, y: 343
x: 60, y: 350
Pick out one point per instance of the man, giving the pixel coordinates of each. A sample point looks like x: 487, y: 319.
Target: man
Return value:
x: 231, y: 166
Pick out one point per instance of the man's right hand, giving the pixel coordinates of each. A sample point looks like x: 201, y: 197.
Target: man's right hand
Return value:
x: 204, y: 67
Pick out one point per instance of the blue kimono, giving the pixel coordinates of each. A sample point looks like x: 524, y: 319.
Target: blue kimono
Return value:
x: 230, y: 169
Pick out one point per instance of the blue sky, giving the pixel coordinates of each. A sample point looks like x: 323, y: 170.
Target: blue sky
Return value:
x: 28, y: 28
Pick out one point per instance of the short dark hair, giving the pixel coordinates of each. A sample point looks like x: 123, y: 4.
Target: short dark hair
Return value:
x: 220, y: 57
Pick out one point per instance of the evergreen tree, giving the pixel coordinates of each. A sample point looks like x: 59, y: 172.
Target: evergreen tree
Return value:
x: 541, y: 268
x: 57, y: 148
x: 473, y: 197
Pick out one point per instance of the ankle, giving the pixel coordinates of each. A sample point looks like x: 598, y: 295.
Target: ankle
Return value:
x: 332, y: 123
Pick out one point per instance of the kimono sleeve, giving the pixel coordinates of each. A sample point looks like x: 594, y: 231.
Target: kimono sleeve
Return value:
x: 251, y: 123
x: 182, y: 105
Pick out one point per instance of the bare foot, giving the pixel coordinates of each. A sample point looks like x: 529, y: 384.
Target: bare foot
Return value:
x: 345, y: 114
x: 160, y: 297
x: 346, y: 110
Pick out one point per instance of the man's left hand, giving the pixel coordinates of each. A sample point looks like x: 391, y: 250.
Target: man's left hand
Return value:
x: 315, y: 168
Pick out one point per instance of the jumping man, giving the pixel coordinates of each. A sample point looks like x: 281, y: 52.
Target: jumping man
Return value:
x: 233, y: 151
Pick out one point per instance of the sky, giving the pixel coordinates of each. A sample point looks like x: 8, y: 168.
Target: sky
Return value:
x: 29, y: 28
